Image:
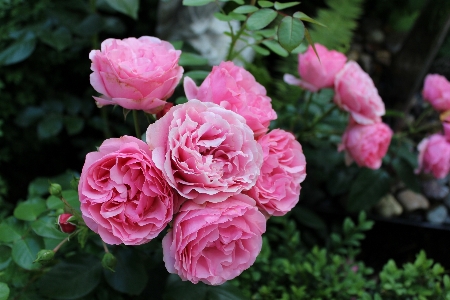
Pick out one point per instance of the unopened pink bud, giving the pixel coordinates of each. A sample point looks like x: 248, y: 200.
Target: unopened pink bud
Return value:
x: 64, y: 224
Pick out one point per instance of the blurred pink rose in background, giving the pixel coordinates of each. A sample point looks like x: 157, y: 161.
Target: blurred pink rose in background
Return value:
x: 434, y: 156
x: 436, y: 90
x: 124, y: 198
x: 206, y: 152
x: 315, y: 74
x: 135, y: 73
x: 277, y: 189
x: 214, y: 242
x: 356, y: 93
x: 234, y: 88
x: 366, y: 144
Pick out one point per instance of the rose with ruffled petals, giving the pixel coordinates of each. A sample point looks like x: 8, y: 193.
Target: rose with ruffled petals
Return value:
x: 214, y: 242
x: 434, y: 156
x: 277, y: 189
x: 356, y: 93
x: 206, y: 152
x: 317, y: 74
x: 124, y: 198
x: 234, y: 88
x: 436, y: 90
x: 135, y: 73
x: 366, y: 144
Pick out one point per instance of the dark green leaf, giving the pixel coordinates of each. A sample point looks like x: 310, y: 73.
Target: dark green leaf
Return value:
x: 4, y: 291
x: 91, y: 25
x: 304, y: 17
x: 367, y: 189
x: 54, y: 203
x: 24, y: 252
x: 130, y: 275
x: 300, y: 49
x: 38, y: 187
x: 71, y: 197
x: 11, y: 229
x: 290, y: 33
x: 177, y: 44
x: 308, y: 218
x: 30, y: 115
x: 311, y: 42
x: 260, y: 50
x: 5, y: 257
x: 19, y: 50
x: 46, y: 227
x: 197, y: 75
x: 406, y: 173
x: 71, y: 279
x: 191, y: 59
x: 196, y: 2
x: 181, y: 100
x: 275, y: 47
x: 229, y: 17
x: 73, y: 124
x: 245, y: 9
x: 128, y: 7
x: 261, y: 19
x: 50, y: 126
x: 280, y: 6
x: 59, y: 39
x: 265, y: 3
x: 30, y: 209
x: 267, y: 33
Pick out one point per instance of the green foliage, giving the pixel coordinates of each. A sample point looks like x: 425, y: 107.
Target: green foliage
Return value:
x: 341, y: 19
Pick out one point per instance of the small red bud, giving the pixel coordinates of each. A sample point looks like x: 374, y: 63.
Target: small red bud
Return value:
x: 64, y: 223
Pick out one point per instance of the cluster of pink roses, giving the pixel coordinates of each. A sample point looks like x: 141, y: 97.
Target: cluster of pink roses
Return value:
x: 209, y: 167
x: 366, y: 138
x: 434, y: 151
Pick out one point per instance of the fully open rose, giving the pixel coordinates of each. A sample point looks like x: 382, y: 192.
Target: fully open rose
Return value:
x: 436, y: 90
x: 234, y: 88
x: 434, y: 156
x: 124, y: 198
x: 277, y: 189
x: 206, y: 152
x: 135, y: 73
x: 316, y: 74
x: 214, y: 242
x: 356, y: 93
x: 366, y: 144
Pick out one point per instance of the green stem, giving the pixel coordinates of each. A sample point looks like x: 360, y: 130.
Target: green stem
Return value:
x: 234, y: 39
x: 136, y: 124
x: 325, y: 114
x: 308, y: 97
x: 105, y: 247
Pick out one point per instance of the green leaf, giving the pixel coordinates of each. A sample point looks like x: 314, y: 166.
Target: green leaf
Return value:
x: 197, y: 75
x: 275, y: 47
x: 4, y: 291
x: 29, y: 115
x: 308, y: 218
x: 127, y: 7
x: 24, y: 252
x: 267, y: 33
x: 71, y: 197
x: 38, y: 187
x: 177, y: 44
x: 304, y: 17
x: 91, y: 25
x: 5, y: 257
x: 71, y: 279
x: 290, y: 33
x: 181, y: 100
x: 46, y: 227
x: 196, y: 2
x: 245, y: 9
x: 73, y: 124
x: 54, y: 203
x: 50, y: 126
x: 191, y: 59
x: 11, y: 229
x: 261, y: 19
x: 367, y: 189
x: 260, y: 50
x: 406, y: 173
x: 130, y: 275
x: 19, y: 50
x: 59, y: 39
x: 265, y: 3
x: 280, y: 6
x: 30, y: 209
x: 229, y: 17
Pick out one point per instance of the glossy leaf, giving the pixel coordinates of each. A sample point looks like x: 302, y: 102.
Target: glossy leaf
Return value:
x: 24, y: 252
x: 245, y: 9
x: 71, y: 279
x: 11, y: 229
x: 54, y: 203
x: 71, y: 197
x: 304, y: 17
x: 290, y: 33
x: 4, y: 291
x: 265, y: 3
x: 261, y: 19
x: 19, y: 50
x: 260, y: 50
x: 128, y: 7
x: 280, y: 6
x: 267, y: 33
x: 30, y: 209
x: 46, y: 227
x: 275, y: 47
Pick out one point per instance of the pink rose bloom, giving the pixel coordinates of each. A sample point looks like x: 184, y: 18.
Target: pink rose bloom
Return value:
x: 315, y: 74
x: 434, y: 156
x: 366, y: 144
x: 124, y: 198
x: 356, y: 93
x: 436, y: 90
x: 234, y: 88
x: 277, y: 189
x: 206, y: 152
x: 214, y: 242
x: 135, y: 73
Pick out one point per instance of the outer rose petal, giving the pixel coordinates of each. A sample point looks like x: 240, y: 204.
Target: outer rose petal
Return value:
x: 124, y: 197
x: 214, y: 242
x: 434, y: 156
x: 436, y: 90
x: 206, y: 152
x: 135, y: 73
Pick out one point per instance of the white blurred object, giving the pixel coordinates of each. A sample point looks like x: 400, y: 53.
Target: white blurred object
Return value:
x: 197, y: 26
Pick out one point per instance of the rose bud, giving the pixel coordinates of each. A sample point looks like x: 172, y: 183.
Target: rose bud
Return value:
x: 109, y: 261
x: 64, y: 224
x: 55, y: 190
x: 44, y: 256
